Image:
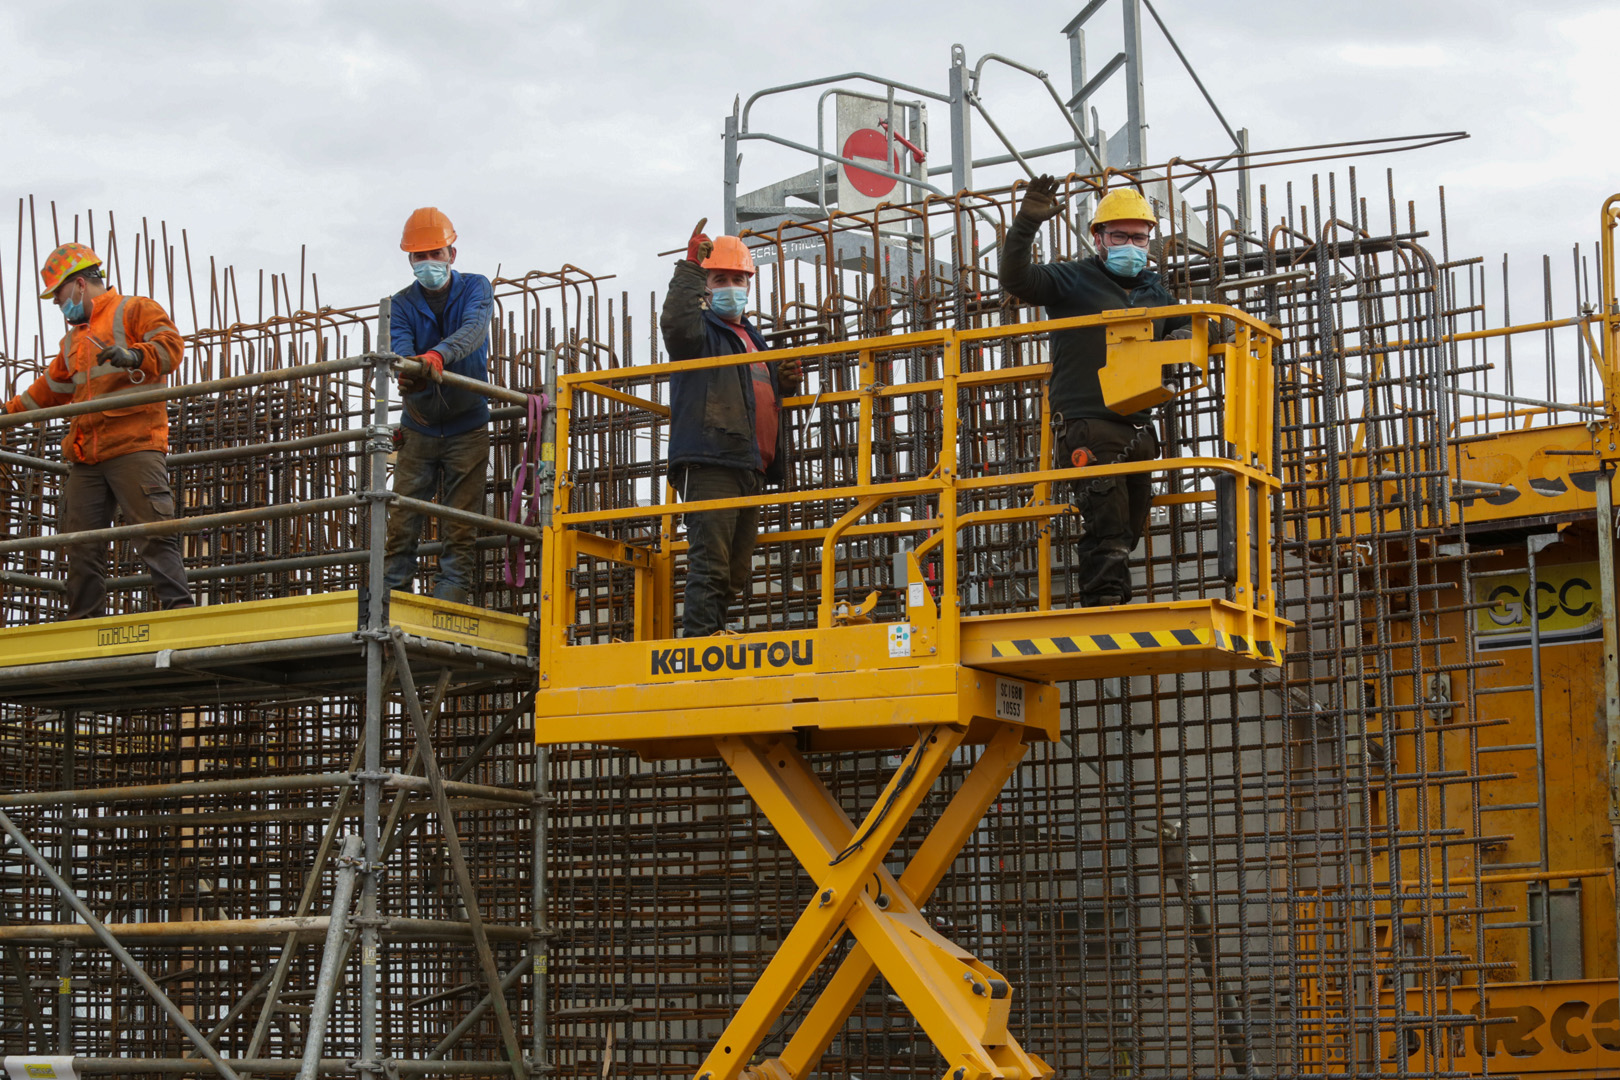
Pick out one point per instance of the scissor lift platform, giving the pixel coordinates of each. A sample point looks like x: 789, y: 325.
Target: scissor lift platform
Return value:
x: 259, y: 650
x: 868, y: 686
x: 933, y: 679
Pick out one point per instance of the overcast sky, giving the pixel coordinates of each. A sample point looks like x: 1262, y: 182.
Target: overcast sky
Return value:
x: 589, y: 133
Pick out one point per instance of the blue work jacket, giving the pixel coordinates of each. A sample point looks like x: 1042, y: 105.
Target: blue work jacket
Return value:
x: 461, y: 336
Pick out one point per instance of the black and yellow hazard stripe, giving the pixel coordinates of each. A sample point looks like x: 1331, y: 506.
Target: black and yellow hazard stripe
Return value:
x: 1139, y: 639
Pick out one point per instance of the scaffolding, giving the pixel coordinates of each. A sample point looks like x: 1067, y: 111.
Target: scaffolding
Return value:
x: 1266, y: 871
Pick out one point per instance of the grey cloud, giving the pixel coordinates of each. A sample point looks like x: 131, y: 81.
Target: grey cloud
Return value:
x: 590, y: 133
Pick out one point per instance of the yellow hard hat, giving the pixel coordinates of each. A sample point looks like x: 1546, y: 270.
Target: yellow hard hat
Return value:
x: 63, y: 263
x: 1123, y: 204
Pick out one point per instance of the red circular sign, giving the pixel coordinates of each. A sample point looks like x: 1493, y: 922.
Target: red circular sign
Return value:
x: 870, y: 144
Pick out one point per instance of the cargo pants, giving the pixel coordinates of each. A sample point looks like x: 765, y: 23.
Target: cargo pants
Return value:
x: 720, y: 552
x: 1114, y: 509
x: 138, y: 485
x: 425, y: 466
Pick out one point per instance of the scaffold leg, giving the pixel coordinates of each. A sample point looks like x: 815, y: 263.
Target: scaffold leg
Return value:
x: 961, y: 1003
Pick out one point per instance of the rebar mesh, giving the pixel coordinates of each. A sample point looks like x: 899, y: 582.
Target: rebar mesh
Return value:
x: 1223, y: 874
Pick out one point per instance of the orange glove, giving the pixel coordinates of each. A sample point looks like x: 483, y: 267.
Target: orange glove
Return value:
x: 16, y: 405
x: 434, y: 363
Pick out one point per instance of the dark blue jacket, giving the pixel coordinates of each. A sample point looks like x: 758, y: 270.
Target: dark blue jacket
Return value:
x: 711, y: 414
x: 461, y: 336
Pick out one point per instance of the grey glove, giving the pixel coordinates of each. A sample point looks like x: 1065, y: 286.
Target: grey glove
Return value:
x: 119, y: 356
x: 1184, y: 334
x: 1041, y: 200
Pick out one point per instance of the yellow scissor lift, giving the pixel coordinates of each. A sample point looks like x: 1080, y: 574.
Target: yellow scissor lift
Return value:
x: 936, y: 681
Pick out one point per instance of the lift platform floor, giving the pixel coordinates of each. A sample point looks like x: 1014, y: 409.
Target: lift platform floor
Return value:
x: 287, y: 647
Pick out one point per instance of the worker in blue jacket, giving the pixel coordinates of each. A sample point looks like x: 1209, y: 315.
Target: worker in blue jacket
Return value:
x: 443, y: 445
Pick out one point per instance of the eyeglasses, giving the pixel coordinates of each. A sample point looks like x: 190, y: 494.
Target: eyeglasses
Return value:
x: 1115, y: 239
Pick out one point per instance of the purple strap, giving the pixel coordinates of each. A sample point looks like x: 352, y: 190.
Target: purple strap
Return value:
x: 524, y: 507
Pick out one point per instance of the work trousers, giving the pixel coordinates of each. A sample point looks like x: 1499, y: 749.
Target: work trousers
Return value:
x: 452, y: 471
x: 1114, y: 509
x: 138, y: 485
x: 720, y: 551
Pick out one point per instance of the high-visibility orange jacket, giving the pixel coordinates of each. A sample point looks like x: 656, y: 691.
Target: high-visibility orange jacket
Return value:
x: 75, y: 375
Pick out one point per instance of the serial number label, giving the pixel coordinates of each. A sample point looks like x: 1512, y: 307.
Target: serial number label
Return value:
x: 455, y: 624
x: 124, y: 635
x: 753, y: 656
x: 1009, y: 700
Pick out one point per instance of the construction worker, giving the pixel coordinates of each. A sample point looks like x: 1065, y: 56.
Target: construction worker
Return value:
x: 726, y: 437
x: 115, y: 457
x: 441, y: 320
x: 1114, y: 510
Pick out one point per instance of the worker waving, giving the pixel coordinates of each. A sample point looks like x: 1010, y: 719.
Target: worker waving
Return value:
x: 115, y: 455
x: 726, y: 437
x: 1114, y: 509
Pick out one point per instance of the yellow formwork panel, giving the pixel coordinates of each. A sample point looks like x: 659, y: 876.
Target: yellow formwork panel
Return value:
x: 279, y: 619
x: 442, y: 620
x: 185, y: 628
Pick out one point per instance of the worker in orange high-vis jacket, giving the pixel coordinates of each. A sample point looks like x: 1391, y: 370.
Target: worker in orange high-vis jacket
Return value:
x: 115, y: 456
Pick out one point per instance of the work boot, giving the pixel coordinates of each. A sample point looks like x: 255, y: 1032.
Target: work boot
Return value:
x: 453, y: 593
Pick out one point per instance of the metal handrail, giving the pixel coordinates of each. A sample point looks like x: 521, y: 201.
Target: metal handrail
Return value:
x: 1249, y: 465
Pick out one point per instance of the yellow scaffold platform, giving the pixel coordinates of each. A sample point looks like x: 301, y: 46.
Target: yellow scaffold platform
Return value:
x: 259, y: 649
x: 933, y: 680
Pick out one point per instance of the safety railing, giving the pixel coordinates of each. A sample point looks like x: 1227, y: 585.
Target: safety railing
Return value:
x: 921, y: 463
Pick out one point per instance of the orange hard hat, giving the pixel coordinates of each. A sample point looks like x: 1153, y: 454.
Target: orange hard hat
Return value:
x: 427, y: 229
x: 63, y: 263
x: 730, y: 253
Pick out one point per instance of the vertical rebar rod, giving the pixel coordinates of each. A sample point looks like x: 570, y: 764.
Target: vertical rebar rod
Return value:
x: 1534, y: 544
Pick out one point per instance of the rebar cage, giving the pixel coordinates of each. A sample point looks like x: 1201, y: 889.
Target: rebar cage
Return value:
x: 1217, y: 874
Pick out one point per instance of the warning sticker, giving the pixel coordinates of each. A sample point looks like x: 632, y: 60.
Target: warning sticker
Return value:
x: 900, y: 639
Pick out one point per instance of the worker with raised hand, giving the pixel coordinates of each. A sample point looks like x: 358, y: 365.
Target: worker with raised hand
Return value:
x: 726, y: 436
x: 441, y: 320
x: 1114, y: 510
x: 115, y: 457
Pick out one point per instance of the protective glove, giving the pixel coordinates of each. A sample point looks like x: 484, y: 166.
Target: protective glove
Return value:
x: 119, y: 356
x: 433, y: 363
x: 790, y: 372
x: 1041, y: 200
x: 699, y: 246
x: 1184, y: 334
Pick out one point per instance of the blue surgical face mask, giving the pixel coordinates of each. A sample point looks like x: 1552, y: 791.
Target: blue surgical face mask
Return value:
x: 432, y: 275
x: 1126, y: 260
x: 75, y: 311
x: 729, y: 302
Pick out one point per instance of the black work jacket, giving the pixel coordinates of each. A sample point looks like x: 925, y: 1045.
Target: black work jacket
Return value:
x: 1080, y: 287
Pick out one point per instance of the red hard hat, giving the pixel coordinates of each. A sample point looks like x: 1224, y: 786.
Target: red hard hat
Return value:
x: 427, y: 229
